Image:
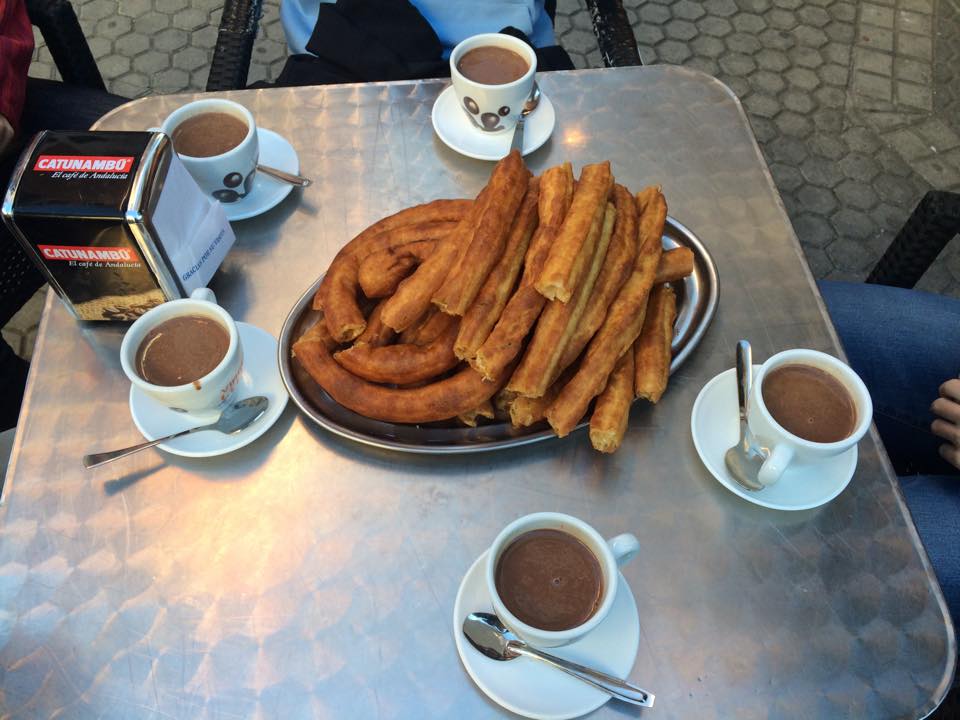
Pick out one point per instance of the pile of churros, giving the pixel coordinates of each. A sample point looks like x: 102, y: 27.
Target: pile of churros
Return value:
x: 539, y: 297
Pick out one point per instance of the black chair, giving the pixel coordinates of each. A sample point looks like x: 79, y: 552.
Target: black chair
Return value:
x: 934, y: 223
x: 231, y: 56
x: 238, y: 30
x: 57, y: 22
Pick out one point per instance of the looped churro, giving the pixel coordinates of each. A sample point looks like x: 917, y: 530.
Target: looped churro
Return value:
x: 381, y: 272
x: 412, y: 298
x: 401, y: 364
x: 435, y: 211
x: 439, y: 400
x: 340, y: 285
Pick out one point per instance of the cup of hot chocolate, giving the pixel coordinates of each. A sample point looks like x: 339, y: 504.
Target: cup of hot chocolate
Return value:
x: 492, y: 77
x: 552, y: 578
x: 806, y: 406
x: 217, y: 142
x: 185, y: 354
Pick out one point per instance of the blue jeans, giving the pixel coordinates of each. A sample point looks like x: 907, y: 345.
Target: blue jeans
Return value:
x: 904, y: 344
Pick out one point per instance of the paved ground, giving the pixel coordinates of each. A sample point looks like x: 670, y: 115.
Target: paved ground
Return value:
x: 856, y: 103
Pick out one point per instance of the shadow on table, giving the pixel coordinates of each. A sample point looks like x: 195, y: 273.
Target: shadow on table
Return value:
x: 112, y: 487
x: 216, y: 469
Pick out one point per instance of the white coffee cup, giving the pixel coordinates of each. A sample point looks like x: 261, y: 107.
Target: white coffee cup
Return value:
x: 208, y: 395
x: 493, y: 108
x: 785, y: 448
x: 227, y: 177
x: 611, y: 554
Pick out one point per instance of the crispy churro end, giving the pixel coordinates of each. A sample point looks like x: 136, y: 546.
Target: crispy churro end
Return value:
x: 553, y: 291
x: 478, y: 363
x: 348, y: 333
x: 651, y: 397
x: 605, y: 441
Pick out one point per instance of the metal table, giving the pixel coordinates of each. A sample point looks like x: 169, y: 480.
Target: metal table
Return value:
x: 307, y: 576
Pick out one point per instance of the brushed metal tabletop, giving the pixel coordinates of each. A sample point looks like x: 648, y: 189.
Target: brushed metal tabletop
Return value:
x: 308, y: 576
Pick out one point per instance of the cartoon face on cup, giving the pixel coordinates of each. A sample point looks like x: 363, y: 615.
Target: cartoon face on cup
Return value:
x: 805, y: 407
x: 217, y: 143
x: 493, y: 77
x: 553, y: 578
x: 185, y: 354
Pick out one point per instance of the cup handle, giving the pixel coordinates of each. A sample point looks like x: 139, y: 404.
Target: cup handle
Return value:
x: 204, y: 293
x: 624, y: 548
x: 775, y: 464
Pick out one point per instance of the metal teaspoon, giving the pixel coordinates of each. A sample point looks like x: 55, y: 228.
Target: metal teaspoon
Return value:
x: 744, y: 459
x: 233, y: 419
x: 488, y: 635
x: 528, y: 107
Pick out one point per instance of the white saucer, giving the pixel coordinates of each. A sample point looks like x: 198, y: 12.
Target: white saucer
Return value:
x: 267, y: 192
x: 531, y: 688
x: 715, y: 424
x: 457, y: 132
x: 260, y: 376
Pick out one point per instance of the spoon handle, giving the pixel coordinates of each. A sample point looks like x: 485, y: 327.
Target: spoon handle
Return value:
x: 744, y: 378
x: 517, y: 142
x: 97, y: 459
x: 297, y: 180
x: 620, y: 689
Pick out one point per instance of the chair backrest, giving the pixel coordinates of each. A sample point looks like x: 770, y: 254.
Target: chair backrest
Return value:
x: 618, y: 44
x: 231, y: 56
x: 61, y: 31
x: 934, y: 223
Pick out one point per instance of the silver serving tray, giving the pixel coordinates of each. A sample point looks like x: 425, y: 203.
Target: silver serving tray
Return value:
x: 697, y: 298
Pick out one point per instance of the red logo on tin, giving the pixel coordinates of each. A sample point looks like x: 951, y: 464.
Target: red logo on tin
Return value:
x: 83, y: 163
x: 68, y: 252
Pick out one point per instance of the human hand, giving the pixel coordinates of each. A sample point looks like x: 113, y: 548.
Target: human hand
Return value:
x: 947, y: 425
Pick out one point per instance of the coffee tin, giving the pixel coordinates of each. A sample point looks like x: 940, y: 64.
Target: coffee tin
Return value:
x: 98, y: 214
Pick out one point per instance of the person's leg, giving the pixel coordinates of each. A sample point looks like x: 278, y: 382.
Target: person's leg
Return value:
x: 934, y: 503
x: 904, y: 344
x: 52, y: 105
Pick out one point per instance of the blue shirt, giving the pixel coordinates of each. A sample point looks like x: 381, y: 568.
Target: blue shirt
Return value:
x: 452, y: 20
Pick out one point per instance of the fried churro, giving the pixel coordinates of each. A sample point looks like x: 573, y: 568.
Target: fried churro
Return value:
x: 380, y: 272
x: 608, y: 424
x: 505, y: 341
x: 434, y: 211
x: 652, y: 347
x: 401, y: 364
x: 622, y: 324
x: 506, y: 189
x: 674, y: 265
x: 564, y: 265
x: 440, y: 400
x: 540, y: 365
x: 482, y: 315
